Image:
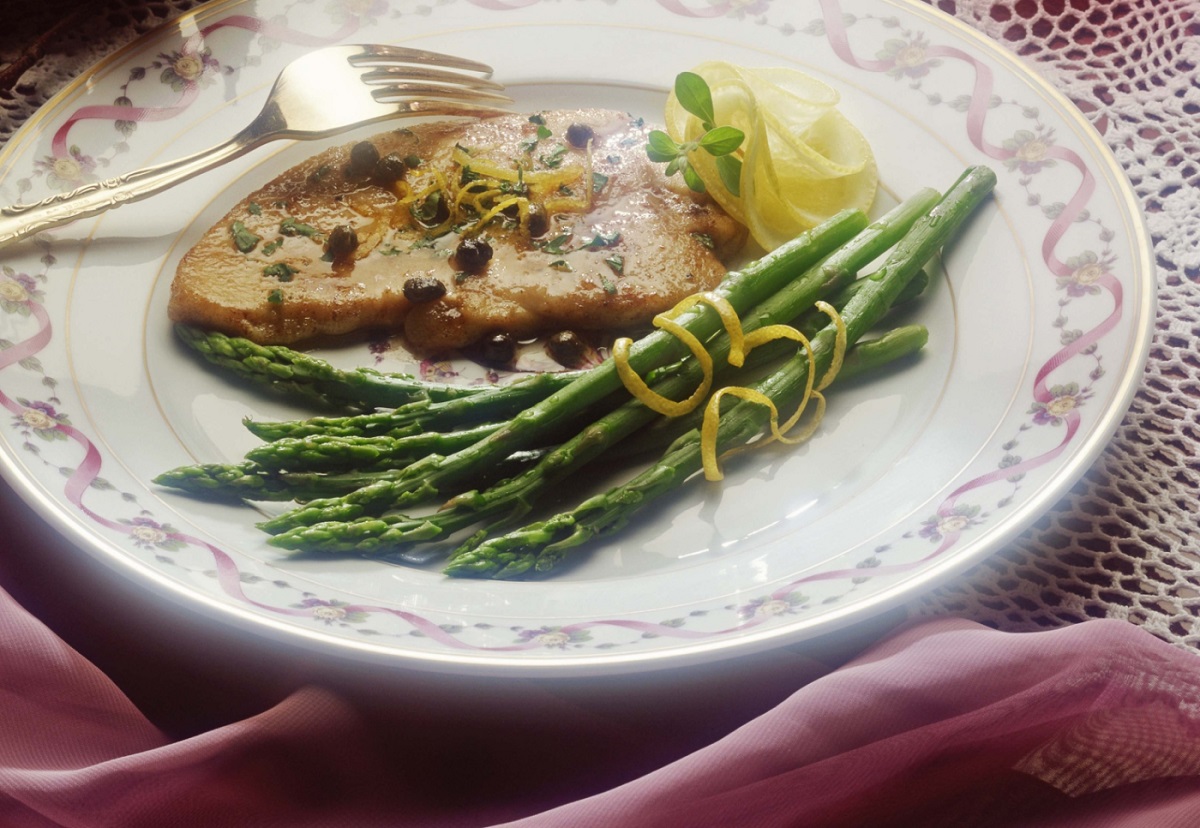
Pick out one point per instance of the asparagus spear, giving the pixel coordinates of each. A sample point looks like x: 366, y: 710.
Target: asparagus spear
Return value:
x: 427, y: 479
x: 512, y: 498
x: 540, y: 546
x: 871, y: 355
x: 491, y: 404
x: 516, y: 496
x: 249, y: 481
x: 294, y: 372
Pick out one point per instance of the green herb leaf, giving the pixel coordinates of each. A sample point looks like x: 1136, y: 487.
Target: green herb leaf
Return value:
x: 281, y: 271
x: 722, y: 140
x: 693, y: 179
x: 661, y: 147
x: 555, y: 245
x: 290, y: 227
x: 602, y: 240
x: 554, y: 158
x: 561, y: 264
x: 695, y: 96
x: 270, y: 247
x: 275, y: 296
x: 617, y: 263
x: 598, y: 181
x: 543, y: 132
x: 254, y: 209
x: 704, y: 239
x: 243, y: 239
x: 729, y: 167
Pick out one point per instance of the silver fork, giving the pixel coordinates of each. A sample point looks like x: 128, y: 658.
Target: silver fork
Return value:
x: 323, y: 93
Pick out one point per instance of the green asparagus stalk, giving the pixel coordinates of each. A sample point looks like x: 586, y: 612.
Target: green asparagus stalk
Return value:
x: 496, y: 403
x: 249, y: 481
x: 300, y: 374
x: 869, y: 356
x: 323, y: 452
x: 427, y: 479
x: 513, y: 498
x: 540, y: 546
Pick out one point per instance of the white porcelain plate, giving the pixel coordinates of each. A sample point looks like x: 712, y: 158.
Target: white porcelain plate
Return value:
x: 1039, y: 326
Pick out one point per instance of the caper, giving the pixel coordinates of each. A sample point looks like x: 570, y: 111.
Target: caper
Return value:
x: 342, y: 243
x: 472, y: 255
x: 499, y: 349
x: 421, y: 289
x: 539, y: 222
x: 363, y: 158
x: 578, y: 135
x: 567, y: 348
x: 389, y: 169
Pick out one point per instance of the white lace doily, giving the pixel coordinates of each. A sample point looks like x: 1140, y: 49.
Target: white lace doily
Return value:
x: 1124, y: 542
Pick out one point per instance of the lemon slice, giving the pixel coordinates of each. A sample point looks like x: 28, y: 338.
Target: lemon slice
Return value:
x: 802, y: 159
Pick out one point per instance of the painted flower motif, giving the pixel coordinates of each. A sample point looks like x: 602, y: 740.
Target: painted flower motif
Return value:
x: 1029, y: 150
x: 553, y: 638
x: 41, y: 419
x: 957, y: 520
x: 434, y: 371
x: 181, y: 70
x: 909, y: 57
x: 1063, y: 400
x: 349, y: 11
x: 332, y: 612
x: 768, y: 607
x: 66, y: 172
x: 150, y: 534
x: 740, y: 9
x: 17, y: 290
x: 1086, y: 270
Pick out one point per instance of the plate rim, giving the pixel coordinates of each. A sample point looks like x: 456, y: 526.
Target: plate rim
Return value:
x: 1060, y: 481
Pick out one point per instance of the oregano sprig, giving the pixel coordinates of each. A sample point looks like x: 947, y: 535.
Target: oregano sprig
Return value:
x: 721, y: 142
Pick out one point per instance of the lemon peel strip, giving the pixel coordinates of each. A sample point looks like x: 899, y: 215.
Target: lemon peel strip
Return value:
x: 779, y: 433
x: 637, y: 387
x: 729, y: 319
x: 839, y: 344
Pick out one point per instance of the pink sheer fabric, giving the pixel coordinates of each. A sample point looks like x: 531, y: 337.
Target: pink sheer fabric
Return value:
x: 943, y: 723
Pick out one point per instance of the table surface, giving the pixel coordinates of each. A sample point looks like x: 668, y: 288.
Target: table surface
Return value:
x: 1123, y: 543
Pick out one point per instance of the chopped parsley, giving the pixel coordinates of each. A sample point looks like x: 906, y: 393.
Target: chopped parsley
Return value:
x: 243, y: 239
x: 598, y: 181
x: 254, y: 209
x: 561, y: 264
x: 554, y: 158
x: 275, y: 297
x: 280, y: 270
x: 704, y: 239
x: 608, y: 285
x: 617, y: 263
x: 555, y: 245
x: 270, y: 247
x: 602, y: 240
x: 290, y: 227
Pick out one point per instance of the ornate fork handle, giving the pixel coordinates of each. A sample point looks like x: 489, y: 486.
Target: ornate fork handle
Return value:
x: 20, y: 221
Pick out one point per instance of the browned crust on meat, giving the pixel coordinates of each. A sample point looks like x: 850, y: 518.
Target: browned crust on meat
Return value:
x: 644, y: 243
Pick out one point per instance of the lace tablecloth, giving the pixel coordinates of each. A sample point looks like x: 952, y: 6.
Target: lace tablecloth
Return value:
x: 1124, y: 543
